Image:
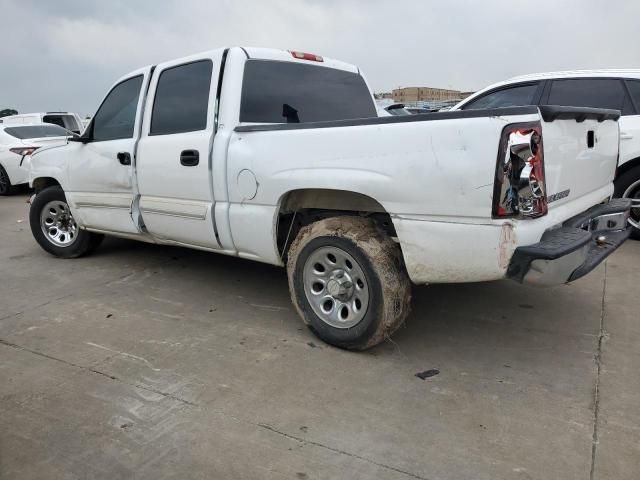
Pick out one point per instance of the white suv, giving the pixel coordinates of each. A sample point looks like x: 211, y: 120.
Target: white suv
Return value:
x: 616, y: 89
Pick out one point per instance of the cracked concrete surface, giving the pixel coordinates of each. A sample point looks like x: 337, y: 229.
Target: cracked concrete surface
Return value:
x: 154, y: 362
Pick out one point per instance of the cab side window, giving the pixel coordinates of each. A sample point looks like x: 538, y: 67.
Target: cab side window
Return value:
x: 116, y: 117
x: 590, y: 92
x: 517, y: 96
x: 182, y: 99
x: 634, y: 89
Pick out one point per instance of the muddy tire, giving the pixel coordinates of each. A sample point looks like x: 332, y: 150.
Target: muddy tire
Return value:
x: 627, y: 185
x: 348, y: 282
x: 54, y: 228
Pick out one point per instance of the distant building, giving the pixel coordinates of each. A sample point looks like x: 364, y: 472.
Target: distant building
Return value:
x: 426, y: 94
x: 383, y: 95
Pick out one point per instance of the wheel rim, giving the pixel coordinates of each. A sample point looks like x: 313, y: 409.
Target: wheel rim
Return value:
x: 633, y: 192
x: 58, y: 224
x: 336, y: 287
x: 4, y: 181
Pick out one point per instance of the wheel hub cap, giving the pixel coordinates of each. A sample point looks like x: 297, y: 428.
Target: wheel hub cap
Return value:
x: 58, y: 224
x: 336, y: 287
x: 633, y: 192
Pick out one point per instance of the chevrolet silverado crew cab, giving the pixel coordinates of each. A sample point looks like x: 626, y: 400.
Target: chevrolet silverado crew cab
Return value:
x: 279, y: 157
x: 615, y: 89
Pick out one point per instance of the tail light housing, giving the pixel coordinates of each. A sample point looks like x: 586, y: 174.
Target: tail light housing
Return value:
x: 24, y: 151
x: 520, y: 189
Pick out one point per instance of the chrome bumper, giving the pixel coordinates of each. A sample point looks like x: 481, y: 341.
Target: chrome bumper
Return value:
x: 567, y: 253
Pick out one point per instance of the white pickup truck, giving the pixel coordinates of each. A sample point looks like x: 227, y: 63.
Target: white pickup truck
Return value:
x: 279, y: 157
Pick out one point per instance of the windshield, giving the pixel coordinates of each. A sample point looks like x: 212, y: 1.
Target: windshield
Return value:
x: 37, y: 131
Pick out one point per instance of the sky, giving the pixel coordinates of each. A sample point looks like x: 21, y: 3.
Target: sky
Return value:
x: 65, y: 54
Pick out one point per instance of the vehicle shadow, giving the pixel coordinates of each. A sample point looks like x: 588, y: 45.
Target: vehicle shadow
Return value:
x: 497, y: 321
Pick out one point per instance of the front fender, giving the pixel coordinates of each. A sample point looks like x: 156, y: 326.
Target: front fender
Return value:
x: 51, y: 163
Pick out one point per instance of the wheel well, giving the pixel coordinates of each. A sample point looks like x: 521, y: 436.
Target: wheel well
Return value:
x: 626, y: 166
x: 41, y: 183
x: 299, y: 208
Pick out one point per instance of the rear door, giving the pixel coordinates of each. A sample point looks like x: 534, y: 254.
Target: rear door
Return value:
x: 174, y: 154
x: 100, y: 175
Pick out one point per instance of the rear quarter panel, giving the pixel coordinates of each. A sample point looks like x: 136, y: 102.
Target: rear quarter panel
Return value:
x: 435, y: 173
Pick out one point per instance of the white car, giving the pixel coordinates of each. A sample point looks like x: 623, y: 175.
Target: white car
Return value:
x: 17, y: 144
x: 616, y: 89
x: 279, y: 157
x: 67, y: 120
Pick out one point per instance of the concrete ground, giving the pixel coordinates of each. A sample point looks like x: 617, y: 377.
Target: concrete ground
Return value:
x: 152, y: 362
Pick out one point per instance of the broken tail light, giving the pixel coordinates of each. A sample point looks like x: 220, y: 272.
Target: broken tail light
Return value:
x: 520, y: 189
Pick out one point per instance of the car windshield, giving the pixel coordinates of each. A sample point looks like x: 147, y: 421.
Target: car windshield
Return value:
x: 37, y: 131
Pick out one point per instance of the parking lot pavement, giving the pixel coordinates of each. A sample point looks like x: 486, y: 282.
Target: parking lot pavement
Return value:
x: 159, y: 362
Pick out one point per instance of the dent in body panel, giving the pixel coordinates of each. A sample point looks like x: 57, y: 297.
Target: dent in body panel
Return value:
x: 507, y: 245
x: 444, y: 252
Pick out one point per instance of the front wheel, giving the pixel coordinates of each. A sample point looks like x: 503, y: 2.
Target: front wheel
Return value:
x: 627, y: 185
x: 55, y: 229
x: 348, y: 282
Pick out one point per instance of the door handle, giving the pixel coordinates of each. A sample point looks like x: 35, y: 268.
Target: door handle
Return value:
x: 190, y: 158
x: 124, y: 158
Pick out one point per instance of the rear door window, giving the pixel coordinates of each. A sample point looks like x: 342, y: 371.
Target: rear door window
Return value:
x: 516, y: 96
x: 182, y: 99
x: 116, y: 116
x: 589, y: 92
x: 288, y: 92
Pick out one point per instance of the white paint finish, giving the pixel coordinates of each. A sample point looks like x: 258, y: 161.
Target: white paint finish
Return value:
x: 176, y: 207
x: 629, y: 138
x: 458, y: 249
x: 107, y: 200
x: 94, y: 171
x: 570, y: 165
x: 443, y: 167
x: 247, y: 184
x: 177, y: 200
x: 18, y: 174
x: 442, y: 252
x: 253, y: 230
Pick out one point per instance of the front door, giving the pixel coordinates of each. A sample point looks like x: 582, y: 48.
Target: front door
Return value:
x: 101, y: 187
x: 174, y: 168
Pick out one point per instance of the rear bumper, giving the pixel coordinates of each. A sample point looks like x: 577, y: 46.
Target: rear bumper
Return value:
x: 567, y: 253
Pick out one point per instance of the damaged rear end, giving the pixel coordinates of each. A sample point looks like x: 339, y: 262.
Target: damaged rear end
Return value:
x: 554, y: 181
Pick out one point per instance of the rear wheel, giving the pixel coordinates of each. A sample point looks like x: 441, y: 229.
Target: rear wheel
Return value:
x: 628, y: 186
x: 55, y: 229
x: 5, y: 184
x: 348, y: 282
